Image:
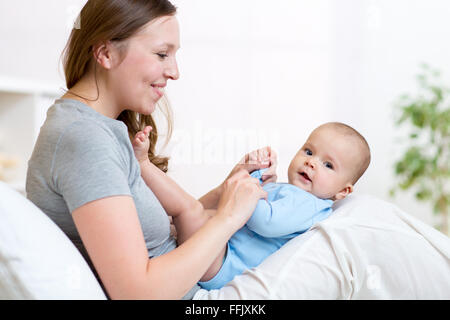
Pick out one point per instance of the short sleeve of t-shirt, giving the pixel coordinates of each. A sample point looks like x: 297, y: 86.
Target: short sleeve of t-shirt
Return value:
x: 88, y: 165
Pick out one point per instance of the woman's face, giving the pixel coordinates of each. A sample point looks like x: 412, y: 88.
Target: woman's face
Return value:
x: 138, y: 81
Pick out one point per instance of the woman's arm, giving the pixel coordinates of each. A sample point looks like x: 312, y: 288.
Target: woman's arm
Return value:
x: 210, y: 200
x: 112, y: 235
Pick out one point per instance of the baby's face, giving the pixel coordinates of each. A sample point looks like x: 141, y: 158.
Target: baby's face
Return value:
x: 324, y: 165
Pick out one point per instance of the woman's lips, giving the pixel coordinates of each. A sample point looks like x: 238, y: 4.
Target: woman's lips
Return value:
x: 158, y: 91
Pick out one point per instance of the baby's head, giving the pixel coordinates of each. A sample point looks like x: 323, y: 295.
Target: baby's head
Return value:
x: 330, y: 162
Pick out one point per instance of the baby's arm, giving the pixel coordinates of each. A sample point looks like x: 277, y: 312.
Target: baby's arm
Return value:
x: 291, y: 212
x: 187, y: 212
x: 274, y: 219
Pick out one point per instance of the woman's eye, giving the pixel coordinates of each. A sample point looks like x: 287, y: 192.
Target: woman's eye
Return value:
x: 308, y: 152
x: 328, y: 165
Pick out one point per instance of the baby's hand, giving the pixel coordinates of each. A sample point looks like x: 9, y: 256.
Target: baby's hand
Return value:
x: 141, y: 143
x: 259, y: 159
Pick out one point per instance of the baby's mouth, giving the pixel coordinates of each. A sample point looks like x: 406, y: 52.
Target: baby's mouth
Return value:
x: 304, y: 175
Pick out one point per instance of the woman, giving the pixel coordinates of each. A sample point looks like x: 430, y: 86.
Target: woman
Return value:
x: 83, y: 173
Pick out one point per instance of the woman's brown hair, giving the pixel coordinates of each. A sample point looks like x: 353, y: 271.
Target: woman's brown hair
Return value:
x: 116, y: 20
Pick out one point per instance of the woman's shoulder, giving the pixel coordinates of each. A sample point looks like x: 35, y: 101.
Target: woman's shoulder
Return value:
x: 69, y: 131
x: 71, y: 121
x: 85, y: 131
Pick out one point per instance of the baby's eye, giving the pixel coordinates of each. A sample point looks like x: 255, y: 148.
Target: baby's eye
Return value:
x: 162, y: 55
x: 308, y: 152
x: 328, y: 165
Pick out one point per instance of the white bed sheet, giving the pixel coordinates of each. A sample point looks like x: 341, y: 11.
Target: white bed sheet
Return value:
x: 368, y: 249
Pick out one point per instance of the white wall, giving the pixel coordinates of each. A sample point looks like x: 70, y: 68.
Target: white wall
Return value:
x: 379, y: 46
x: 252, y: 74
x: 260, y: 72
x: 33, y: 34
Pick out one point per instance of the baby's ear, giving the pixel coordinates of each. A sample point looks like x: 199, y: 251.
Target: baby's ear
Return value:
x: 344, y: 192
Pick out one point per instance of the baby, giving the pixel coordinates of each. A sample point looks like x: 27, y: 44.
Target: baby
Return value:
x: 324, y: 170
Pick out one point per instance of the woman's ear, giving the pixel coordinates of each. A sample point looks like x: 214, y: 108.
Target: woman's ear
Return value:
x: 344, y: 192
x: 104, y: 54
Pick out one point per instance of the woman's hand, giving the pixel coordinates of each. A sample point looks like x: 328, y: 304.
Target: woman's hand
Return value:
x: 258, y: 159
x: 240, y: 195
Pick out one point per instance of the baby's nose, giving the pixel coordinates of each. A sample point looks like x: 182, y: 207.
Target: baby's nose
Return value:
x: 310, y: 163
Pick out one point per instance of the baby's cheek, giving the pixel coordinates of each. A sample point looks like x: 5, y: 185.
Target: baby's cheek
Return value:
x: 324, y: 186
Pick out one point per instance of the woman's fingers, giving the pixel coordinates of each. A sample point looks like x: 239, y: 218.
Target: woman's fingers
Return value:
x: 240, y: 174
x: 243, y: 175
x: 269, y: 179
x: 260, y: 192
x: 240, y: 196
x: 270, y: 175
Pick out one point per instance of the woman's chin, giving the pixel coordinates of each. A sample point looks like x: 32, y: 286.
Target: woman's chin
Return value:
x: 147, y: 110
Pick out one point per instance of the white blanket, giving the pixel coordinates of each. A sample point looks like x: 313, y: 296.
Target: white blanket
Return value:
x: 368, y: 249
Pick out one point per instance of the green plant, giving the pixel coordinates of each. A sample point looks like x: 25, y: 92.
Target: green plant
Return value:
x: 425, y: 165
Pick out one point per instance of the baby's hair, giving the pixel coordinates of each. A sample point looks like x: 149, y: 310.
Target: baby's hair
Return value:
x: 364, y: 162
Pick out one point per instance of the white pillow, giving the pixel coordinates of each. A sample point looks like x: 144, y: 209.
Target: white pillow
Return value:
x: 367, y: 249
x: 37, y: 260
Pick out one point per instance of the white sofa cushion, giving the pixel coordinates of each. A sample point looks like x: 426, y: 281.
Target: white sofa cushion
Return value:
x: 37, y: 260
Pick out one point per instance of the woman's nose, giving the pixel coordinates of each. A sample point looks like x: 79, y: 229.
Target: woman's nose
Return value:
x: 172, y: 70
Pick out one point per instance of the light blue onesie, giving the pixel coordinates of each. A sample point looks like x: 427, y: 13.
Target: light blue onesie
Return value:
x: 288, y: 212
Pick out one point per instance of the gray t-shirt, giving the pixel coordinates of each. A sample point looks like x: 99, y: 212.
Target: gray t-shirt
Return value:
x: 81, y: 156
